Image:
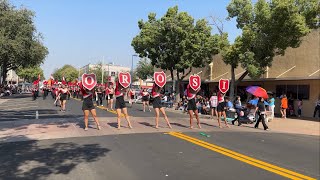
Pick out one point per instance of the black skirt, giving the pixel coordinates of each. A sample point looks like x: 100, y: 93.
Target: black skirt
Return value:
x: 110, y: 96
x: 63, y: 96
x: 192, y: 105
x: 120, y: 104
x: 132, y: 96
x: 87, y: 104
x: 157, y: 102
x: 145, y: 98
x: 221, y: 107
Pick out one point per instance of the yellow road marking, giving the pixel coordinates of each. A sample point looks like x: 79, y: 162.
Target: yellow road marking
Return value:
x: 255, y: 162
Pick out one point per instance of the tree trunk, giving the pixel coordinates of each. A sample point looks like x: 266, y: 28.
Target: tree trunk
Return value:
x: 177, y: 88
x: 172, y: 78
x: 4, y: 72
x: 232, y: 84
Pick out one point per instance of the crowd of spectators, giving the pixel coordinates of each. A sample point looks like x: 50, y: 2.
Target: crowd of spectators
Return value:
x: 8, y: 90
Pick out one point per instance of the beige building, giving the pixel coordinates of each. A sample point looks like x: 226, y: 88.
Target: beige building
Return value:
x: 109, y: 69
x: 297, y: 74
x: 12, y: 77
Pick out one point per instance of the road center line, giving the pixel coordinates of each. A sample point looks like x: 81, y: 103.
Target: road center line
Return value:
x: 249, y: 160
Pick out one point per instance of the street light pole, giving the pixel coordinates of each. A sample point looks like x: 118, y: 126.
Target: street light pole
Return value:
x: 102, y: 69
x: 134, y: 55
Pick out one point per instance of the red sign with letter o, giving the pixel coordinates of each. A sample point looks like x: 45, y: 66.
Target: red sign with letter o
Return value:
x: 89, y: 81
x: 160, y: 78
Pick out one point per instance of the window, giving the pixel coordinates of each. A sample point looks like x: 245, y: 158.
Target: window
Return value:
x: 113, y: 73
x: 303, y: 91
x: 297, y: 91
x: 292, y: 91
x: 280, y: 89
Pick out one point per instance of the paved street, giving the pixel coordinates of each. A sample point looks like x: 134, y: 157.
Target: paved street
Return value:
x: 53, y: 145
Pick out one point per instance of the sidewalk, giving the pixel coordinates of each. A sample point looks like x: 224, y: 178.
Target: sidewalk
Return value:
x: 289, y: 125
x: 37, y: 129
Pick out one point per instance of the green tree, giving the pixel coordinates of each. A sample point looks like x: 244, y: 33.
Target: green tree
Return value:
x: 144, y: 69
x: 20, y: 43
x: 176, y: 43
x: 30, y: 74
x: 268, y: 29
x: 69, y: 72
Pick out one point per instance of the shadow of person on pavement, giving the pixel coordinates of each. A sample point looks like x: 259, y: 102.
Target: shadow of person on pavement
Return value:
x: 39, y: 160
x: 147, y: 124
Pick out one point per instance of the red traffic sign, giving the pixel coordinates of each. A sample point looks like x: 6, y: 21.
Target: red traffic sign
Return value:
x: 224, y: 85
x: 195, y: 82
x: 89, y: 81
x: 160, y: 78
x: 124, y: 79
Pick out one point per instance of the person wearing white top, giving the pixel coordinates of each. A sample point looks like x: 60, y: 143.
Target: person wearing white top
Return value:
x: 213, y: 104
x: 317, y: 108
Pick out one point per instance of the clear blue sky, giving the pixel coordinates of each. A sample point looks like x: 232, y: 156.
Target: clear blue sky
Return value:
x: 83, y: 31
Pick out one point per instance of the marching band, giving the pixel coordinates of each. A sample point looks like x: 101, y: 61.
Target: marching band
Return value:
x: 89, y: 91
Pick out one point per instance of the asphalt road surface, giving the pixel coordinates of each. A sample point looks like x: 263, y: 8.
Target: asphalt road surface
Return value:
x: 156, y: 156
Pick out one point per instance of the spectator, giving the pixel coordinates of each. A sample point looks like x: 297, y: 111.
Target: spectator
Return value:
x: 317, y: 108
x: 254, y: 102
x: 291, y: 105
x: 170, y: 101
x: 205, y: 106
x: 271, y: 105
x: 284, y: 106
x: 229, y: 103
x: 199, y: 104
x: 164, y: 99
x: 214, y: 104
x: 238, y: 108
x: 299, y: 107
x: 261, y: 111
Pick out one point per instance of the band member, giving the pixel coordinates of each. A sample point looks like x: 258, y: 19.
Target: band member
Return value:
x: 99, y: 96
x: 53, y: 92
x: 110, y: 91
x: 49, y: 90
x: 222, y: 107
x: 73, y: 89
x: 88, y: 107
x: 63, y: 94
x: 78, y: 91
x: 45, y: 92
x: 131, y: 96
x: 35, y: 92
x: 157, y: 105
x: 57, y: 95
x: 192, y: 107
x: 145, y: 99
x: 69, y: 94
x: 120, y: 104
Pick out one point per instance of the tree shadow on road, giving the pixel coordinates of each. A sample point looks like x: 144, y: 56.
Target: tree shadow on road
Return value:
x: 37, y: 160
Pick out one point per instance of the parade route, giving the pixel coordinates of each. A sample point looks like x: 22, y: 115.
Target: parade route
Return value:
x: 55, y: 146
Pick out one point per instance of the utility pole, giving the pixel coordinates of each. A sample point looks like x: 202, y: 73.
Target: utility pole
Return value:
x: 102, y: 69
